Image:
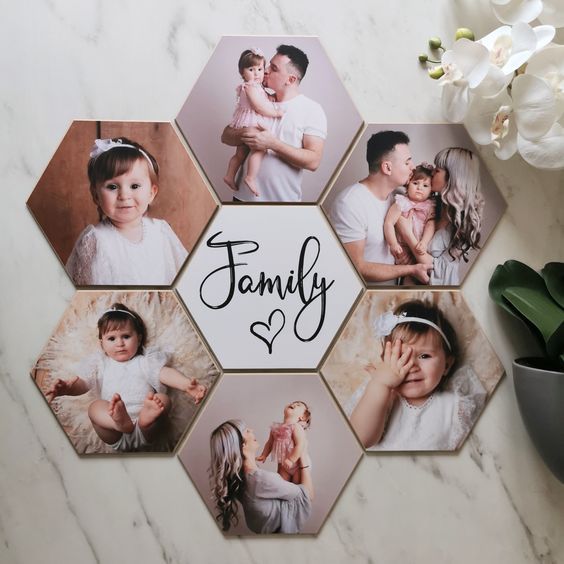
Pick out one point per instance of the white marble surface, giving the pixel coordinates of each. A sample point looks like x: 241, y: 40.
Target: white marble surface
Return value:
x: 137, y: 59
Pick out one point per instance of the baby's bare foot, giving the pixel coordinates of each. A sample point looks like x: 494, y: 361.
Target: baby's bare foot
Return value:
x: 231, y: 183
x: 119, y: 415
x: 250, y: 182
x: 152, y: 409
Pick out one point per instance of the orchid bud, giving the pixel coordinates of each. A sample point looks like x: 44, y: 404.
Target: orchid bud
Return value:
x: 464, y: 32
x: 436, y: 72
x: 435, y: 42
x: 423, y: 58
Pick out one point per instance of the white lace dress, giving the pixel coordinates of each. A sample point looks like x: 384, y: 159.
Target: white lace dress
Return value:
x: 102, y: 256
x: 441, y: 423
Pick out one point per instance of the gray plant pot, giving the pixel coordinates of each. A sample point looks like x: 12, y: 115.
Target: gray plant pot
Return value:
x: 540, y: 396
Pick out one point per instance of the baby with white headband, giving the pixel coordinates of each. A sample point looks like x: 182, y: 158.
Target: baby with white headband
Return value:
x: 255, y: 108
x: 130, y: 380
x: 413, y: 399
x: 126, y: 247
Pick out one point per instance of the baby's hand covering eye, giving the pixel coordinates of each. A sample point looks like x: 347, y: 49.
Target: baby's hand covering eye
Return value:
x: 396, y: 363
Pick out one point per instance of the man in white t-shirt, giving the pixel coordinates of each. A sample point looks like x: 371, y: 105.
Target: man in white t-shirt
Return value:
x: 296, y: 140
x: 358, y: 212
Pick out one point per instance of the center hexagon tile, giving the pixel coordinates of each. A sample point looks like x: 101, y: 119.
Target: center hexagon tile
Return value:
x: 269, y: 286
x: 319, y: 116
x: 103, y: 231
x: 428, y: 389
x: 82, y: 367
x: 243, y: 407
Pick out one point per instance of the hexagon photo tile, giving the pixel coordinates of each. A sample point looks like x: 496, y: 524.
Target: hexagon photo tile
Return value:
x: 425, y: 227
x: 286, y: 436
x: 124, y: 372
x: 305, y: 126
x: 413, y: 370
x: 122, y: 203
x: 269, y: 286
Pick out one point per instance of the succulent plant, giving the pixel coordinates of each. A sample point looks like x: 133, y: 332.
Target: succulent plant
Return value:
x: 537, y: 300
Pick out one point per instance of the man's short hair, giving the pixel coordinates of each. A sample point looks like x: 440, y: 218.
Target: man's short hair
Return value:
x: 382, y: 143
x: 298, y: 58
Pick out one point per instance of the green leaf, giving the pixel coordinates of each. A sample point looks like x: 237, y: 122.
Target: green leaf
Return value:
x: 543, y: 312
x: 510, y: 274
x: 553, y: 274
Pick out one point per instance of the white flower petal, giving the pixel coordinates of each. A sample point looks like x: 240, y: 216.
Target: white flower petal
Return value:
x: 553, y: 13
x: 472, y: 59
x: 517, y: 10
x: 489, y: 40
x: 455, y: 101
x: 546, y: 152
x: 549, y: 64
x: 550, y: 59
x: 500, y: 2
x: 495, y: 81
x: 545, y: 34
x: 523, y: 36
x: 534, y: 106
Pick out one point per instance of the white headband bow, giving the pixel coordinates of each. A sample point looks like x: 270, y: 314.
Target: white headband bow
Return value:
x: 256, y: 51
x: 101, y: 146
x: 385, y: 324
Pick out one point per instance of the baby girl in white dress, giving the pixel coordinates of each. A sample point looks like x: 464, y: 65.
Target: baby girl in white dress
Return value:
x: 130, y: 381
x: 412, y: 400
x: 126, y: 247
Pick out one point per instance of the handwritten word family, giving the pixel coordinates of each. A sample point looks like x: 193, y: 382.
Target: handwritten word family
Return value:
x: 224, y: 283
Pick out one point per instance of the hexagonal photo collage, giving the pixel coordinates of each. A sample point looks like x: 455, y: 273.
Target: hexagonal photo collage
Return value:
x: 266, y: 343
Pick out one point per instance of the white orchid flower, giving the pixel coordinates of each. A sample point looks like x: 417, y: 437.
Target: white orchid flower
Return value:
x: 464, y: 66
x: 513, y: 11
x: 529, y: 114
x: 548, y: 64
x: 509, y: 48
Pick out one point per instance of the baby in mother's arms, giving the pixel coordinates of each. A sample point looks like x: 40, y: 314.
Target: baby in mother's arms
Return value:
x: 435, y: 237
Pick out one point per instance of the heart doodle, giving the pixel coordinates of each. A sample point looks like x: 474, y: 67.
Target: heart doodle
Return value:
x: 268, y: 328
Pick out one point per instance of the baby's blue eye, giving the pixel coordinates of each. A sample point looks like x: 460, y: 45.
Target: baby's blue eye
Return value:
x: 111, y: 186
x: 135, y: 186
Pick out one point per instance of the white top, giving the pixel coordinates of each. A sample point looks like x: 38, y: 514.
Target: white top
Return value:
x: 441, y: 423
x: 358, y: 214
x: 276, y: 180
x: 132, y: 379
x: 102, y: 256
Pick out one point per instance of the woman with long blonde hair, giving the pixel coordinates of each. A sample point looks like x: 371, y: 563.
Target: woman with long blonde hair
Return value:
x: 459, y: 215
x: 270, y: 504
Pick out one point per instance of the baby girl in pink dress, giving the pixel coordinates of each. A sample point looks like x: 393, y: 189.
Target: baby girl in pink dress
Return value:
x: 254, y: 108
x: 287, y: 441
x: 409, y: 225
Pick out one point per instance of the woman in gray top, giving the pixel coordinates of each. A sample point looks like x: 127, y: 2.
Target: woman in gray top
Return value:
x: 270, y: 504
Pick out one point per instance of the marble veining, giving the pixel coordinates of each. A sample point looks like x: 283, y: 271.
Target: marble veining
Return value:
x: 493, y: 502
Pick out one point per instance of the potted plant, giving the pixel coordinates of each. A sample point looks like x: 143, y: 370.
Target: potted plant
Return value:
x: 538, y: 301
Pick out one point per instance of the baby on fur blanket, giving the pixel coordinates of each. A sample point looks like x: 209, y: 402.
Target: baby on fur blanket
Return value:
x: 130, y: 380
